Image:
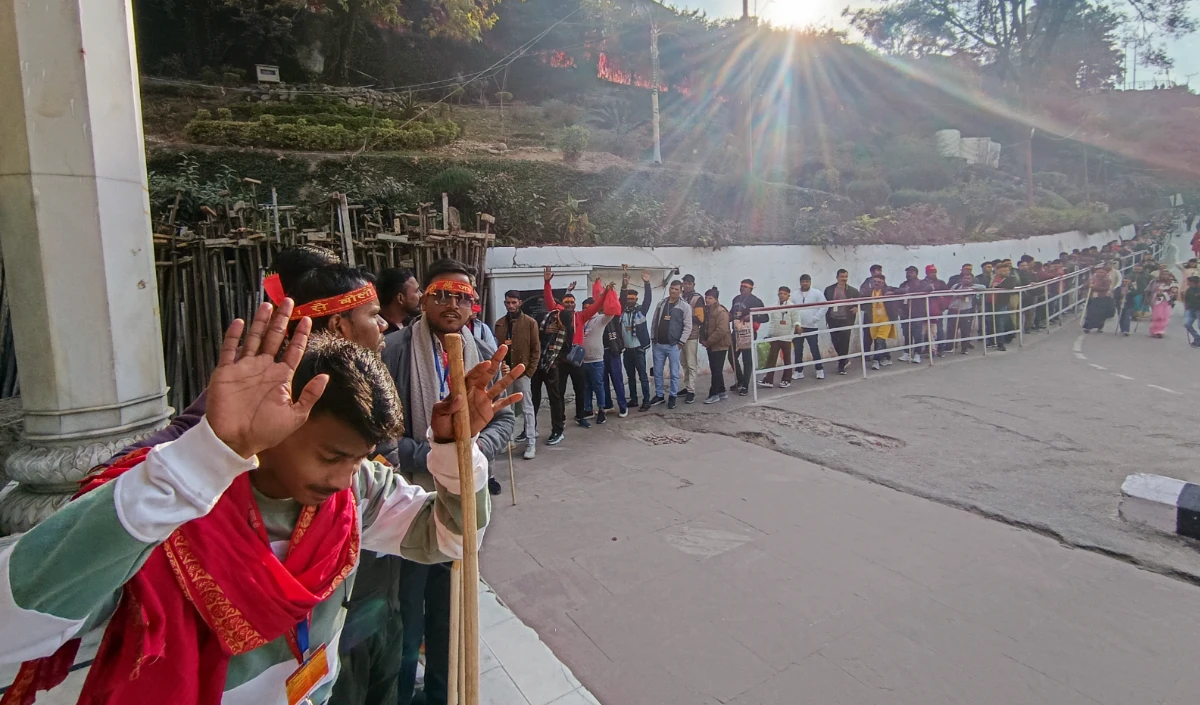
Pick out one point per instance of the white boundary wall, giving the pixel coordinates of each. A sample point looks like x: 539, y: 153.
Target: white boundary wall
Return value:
x: 770, y: 266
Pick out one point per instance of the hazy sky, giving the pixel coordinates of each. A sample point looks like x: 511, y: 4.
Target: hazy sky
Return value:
x: 827, y: 13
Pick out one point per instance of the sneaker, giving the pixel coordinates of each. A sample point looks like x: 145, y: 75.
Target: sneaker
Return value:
x: 521, y: 438
x: 875, y: 365
x: 904, y: 357
x: 690, y: 398
x: 1125, y: 333
x: 623, y: 412
x: 725, y: 395
x: 887, y: 363
x: 744, y: 392
x: 530, y: 451
x: 784, y: 384
x: 609, y: 408
x: 584, y: 423
x: 656, y: 401
x: 671, y: 403
x: 820, y: 374
x: 765, y: 384
x: 1001, y: 348
x: 916, y: 359
x: 716, y: 398
x: 555, y: 439
x: 633, y: 402
x: 799, y: 375
x: 644, y: 407
x: 842, y: 371
x: 601, y: 418
x: 962, y: 352
x: 493, y: 486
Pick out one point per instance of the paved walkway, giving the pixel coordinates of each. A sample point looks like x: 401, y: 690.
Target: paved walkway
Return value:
x: 668, y: 567
x: 515, y: 666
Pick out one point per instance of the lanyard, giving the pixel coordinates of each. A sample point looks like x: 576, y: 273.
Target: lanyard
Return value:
x: 297, y: 636
x: 441, y: 364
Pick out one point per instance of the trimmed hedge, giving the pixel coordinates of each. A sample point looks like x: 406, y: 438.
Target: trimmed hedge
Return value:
x: 298, y: 134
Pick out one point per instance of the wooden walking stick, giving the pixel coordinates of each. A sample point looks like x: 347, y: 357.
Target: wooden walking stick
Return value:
x: 468, y: 632
x: 512, y: 478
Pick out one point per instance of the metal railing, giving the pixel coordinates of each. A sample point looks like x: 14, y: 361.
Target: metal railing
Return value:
x: 991, y: 316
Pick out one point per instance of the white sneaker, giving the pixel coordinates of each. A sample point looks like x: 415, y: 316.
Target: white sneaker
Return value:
x: 800, y: 374
x: 784, y: 384
x: 904, y: 357
x: 820, y: 374
x: 768, y: 385
x: 917, y: 359
x: 531, y: 449
x: 886, y: 363
x: 875, y: 365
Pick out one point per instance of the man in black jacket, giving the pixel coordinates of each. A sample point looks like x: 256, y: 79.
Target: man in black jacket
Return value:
x: 739, y: 315
x: 636, y: 338
x: 424, y: 590
x: 840, y: 316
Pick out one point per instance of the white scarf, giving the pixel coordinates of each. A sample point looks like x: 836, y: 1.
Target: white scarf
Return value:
x: 430, y: 381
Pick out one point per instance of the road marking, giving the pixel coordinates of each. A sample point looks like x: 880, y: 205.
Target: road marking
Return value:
x: 1078, y: 346
x: 1164, y: 389
x: 1099, y: 367
x: 1116, y: 374
x: 1081, y: 356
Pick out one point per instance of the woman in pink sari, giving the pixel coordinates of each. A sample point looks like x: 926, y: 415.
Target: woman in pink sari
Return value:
x: 1161, y: 294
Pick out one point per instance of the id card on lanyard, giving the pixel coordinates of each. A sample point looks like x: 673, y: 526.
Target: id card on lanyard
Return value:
x: 314, y: 666
x: 441, y: 365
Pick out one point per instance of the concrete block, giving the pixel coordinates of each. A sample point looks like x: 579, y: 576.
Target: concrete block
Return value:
x: 1162, y: 503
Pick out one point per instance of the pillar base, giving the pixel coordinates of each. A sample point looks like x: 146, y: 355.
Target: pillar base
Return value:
x: 49, y: 474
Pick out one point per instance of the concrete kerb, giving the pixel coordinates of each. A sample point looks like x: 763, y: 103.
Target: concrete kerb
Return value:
x: 1161, y: 503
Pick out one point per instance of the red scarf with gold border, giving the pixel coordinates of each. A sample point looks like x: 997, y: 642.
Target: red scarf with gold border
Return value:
x: 213, y: 590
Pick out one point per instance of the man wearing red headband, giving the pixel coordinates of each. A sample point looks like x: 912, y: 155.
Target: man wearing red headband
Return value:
x: 417, y: 361
x: 222, y: 561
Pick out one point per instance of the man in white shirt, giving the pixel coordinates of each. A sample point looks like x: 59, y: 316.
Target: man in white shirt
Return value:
x: 783, y: 323
x: 810, y: 321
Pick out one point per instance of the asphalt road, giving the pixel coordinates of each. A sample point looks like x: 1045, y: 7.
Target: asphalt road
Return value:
x: 1040, y: 437
x: 752, y: 555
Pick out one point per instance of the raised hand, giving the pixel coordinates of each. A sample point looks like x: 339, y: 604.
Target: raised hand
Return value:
x: 547, y: 273
x: 482, y: 398
x: 645, y: 275
x: 250, y: 404
x: 571, y: 286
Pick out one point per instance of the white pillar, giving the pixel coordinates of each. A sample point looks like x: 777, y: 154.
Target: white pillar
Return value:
x: 75, y: 230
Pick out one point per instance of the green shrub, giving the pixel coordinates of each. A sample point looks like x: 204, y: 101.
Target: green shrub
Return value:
x: 267, y: 119
x: 560, y: 114
x: 457, y: 182
x: 911, y: 163
x: 299, y: 134
x: 828, y: 179
x: 904, y: 197
x: 869, y: 192
x: 224, y: 114
x: 203, y: 114
x: 574, y: 142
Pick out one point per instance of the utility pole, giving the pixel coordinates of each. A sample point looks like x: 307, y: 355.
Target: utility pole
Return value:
x: 1029, y: 168
x: 654, y: 88
x: 748, y: 93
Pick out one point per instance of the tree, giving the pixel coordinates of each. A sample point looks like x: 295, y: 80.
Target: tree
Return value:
x: 1019, y: 39
x: 462, y: 20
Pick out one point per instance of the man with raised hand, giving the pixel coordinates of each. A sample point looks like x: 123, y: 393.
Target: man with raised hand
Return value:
x: 221, y: 562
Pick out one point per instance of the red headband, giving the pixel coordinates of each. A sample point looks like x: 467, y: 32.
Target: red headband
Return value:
x: 451, y: 285
x: 336, y: 304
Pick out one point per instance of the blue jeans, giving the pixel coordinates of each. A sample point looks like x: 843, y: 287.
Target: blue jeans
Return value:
x: 613, y: 379
x: 1127, y: 315
x: 425, y: 612
x: 663, y: 353
x: 593, y: 384
x: 1190, y: 317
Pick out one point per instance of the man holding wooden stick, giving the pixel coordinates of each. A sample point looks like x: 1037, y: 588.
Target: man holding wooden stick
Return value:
x: 221, y: 562
x: 419, y: 364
